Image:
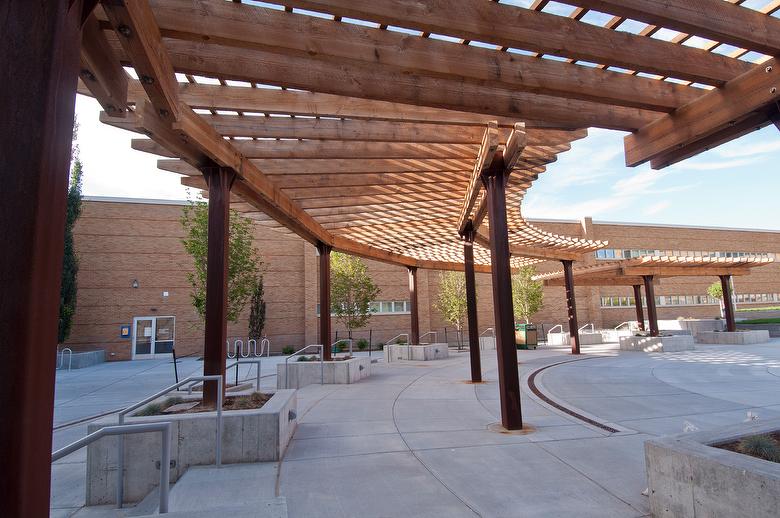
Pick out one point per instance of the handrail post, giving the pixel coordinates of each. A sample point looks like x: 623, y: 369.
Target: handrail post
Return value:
x: 220, y: 395
x: 322, y: 364
x: 165, y: 468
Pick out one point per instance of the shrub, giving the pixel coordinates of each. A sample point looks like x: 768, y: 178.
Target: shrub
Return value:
x: 761, y: 446
x: 159, y: 408
x: 306, y: 358
x: 401, y: 341
x: 380, y: 347
x: 362, y: 344
x: 288, y: 350
x: 253, y: 400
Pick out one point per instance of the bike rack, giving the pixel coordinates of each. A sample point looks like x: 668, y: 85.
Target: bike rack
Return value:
x: 61, y: 354
x: 120, y: 489
x: 124, y: 429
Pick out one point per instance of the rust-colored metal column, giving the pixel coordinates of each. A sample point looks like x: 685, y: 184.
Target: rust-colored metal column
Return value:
x: 39, y: 64
x: 414, y: 335
x: 325, y: 328
x: 640, y: 314
x: 508, y: 380
x: 219, y: 180
x: 471, y: 303
x: 652, y: 315
x: 728, y: 302
x: 571, y: 307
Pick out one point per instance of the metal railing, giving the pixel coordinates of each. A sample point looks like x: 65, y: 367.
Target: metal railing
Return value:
x: 551, y: 330
x: 124, y: 429
x: 389, y: 342
x: 61, y: 354
x: 191, y: 380
x: 340, y: 340
x: 589, y: 324
x: 240, y: 361
x: 435, y: 336
x: 393, y: 339
x: 628, y: 323
x: 483, y: 333
x: 322, y: 365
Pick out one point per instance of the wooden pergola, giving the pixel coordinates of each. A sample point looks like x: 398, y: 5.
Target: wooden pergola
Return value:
x: 649, y: 269
x: 396, y: 130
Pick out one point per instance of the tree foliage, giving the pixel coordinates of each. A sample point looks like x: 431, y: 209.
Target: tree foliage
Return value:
x: 715, y: 290
x: 351, y: 291
x: 451, y: 301
x: 257, y: 311
x: 527, y: 294
x: 70, y: 261
x: 243, y: 258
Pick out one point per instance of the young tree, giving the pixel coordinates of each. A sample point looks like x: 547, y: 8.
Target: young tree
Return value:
x: 243, y: 259
x: 715, y: 290
x: 257, y: 311
x: 451, y: 301
x: 351, y: 291
x: 70, y: 262
x: 527, y: 294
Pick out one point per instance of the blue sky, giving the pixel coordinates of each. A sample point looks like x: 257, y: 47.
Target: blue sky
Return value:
x: 734, y: 185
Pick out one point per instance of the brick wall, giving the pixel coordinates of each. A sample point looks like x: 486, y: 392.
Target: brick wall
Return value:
x: 120, y: 241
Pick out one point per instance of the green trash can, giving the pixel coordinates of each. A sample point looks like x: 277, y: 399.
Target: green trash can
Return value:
x: 526, y: 336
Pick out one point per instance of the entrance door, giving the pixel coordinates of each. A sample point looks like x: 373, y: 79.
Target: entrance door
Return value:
x: 153, y: 337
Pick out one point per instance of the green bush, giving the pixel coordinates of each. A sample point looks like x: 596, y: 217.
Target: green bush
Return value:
x: 380, y: 347
x: 401, y: 341
x: 362, y: 344
x: 288, y: 350
x: 761, y: 446
x: 307, y: 358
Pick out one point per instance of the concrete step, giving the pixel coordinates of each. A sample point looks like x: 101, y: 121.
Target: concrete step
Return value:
x: 274, y: 508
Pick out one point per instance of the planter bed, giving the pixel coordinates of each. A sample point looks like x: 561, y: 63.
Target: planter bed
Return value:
x: 756, y: 336
x: 256, y: 435
x: 422, y: 353
x: 689, y: 476
x: 339, y: 372
x: 657, y: 344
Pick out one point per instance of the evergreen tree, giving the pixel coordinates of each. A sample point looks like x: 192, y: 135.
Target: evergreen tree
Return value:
x: 257, y: 311
x: 70, y: 262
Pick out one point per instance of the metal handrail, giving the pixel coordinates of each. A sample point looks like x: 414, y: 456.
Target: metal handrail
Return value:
x: 397, y: 337
x: 163, y: 427
x: 483, y: 333
x: 135, y: 406
x: 322, y: 365
x: 627, y: 323
x: 350, y: 340
x: 592, y: 327
x: 555, y: 327
x: 256, y: 361
x: 62, y: 358
x: 435, y: 336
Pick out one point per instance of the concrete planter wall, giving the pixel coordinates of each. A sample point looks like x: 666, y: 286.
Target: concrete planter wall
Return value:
x: 333, y: 372
x: 692, y: 326
x: 248, y: 436
x: 487, y: 343
x: 757, y: 336
x: 657, y: 344
x: 614, y: 335
x: 80, y: 360
x: 586, y: 338
x: 773, y: 329
x: 416, y: 352
x: 689, y: 477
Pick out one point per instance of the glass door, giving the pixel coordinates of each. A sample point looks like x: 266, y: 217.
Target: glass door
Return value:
x: 153, y: 337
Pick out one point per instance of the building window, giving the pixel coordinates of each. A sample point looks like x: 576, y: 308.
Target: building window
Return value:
x: 611, y: 253
x: 384, y: 307
x: 689, y: 300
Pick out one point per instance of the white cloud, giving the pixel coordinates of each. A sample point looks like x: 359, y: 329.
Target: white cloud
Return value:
x: 750, y: 150
x: 657, y: 207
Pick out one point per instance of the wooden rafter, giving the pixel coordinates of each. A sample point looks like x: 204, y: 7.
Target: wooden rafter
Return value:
x: 101, y: 71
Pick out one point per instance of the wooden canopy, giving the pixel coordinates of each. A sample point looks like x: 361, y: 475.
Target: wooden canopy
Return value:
x: 365, y: 125
x: 630, y: 272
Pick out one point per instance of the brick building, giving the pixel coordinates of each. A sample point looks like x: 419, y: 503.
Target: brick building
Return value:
x: 133, y: 275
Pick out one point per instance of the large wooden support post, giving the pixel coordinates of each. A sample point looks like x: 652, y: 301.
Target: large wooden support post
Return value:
x: 471, y: 303
x: 640, y: 314
x: 414, y: 312
x: 219, y: 180
x: 728, y: 302
x: 39, y: 64
x: 325, y: 328
x: 495, y: 179
x: 571, y: 306
x: 652, y: 315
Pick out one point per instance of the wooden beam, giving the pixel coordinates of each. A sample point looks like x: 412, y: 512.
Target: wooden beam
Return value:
x: 515, y: 145
x: 724, y: 22
x: 597, y: 281
x: 712, y: 112
x: 101, y: 70
x: 684, y: 271
x: 249, y: 26
x: 547, y: 254
x: 295, y: 149
x: 514, y: 27
x: 135, y: 25
x: 487, y: 151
